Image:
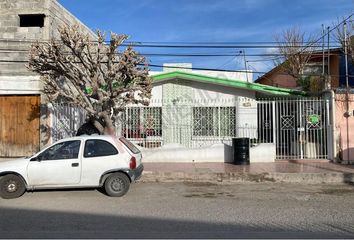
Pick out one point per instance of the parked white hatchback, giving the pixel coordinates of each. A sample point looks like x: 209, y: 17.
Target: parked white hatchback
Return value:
x: 83, y: 161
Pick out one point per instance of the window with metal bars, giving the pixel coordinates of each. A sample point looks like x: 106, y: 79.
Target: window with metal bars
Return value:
x: 152, y: 117
x: 142, y: 122
x: 131, y: 123
x: 214, y: 121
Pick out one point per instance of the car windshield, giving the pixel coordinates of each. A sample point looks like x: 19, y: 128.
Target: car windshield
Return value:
x: 129, y: 145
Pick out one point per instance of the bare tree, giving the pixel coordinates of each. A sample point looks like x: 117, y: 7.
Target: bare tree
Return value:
x: 295, y: 51
x: 339, y: 35
x: 92, y: 74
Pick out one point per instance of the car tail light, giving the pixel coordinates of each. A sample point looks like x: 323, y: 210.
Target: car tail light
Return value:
x: 132, y: 163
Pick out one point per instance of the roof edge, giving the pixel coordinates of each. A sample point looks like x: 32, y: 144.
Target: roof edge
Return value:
x: 227, y: 82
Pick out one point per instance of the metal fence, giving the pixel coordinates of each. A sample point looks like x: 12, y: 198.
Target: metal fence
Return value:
x: 297, y: 127
x: 188, y: 126
x: 66, y: 120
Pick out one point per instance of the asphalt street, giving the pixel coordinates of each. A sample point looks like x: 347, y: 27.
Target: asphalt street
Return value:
x: 184, y: 210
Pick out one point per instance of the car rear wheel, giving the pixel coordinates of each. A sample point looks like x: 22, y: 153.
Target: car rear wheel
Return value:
x: 117, y: 185
x: 11, y: 186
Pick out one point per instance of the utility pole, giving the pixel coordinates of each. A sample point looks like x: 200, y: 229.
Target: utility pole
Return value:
x: 346, y: 56
x: 244, y: 57
x: 328, y: 62
x: 323, y: 51
x: 323, y: 77
x: 346, y: 84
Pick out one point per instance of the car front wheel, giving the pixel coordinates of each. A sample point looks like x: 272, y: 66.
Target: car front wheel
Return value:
x: 117, y: 185
x: 11, y: 186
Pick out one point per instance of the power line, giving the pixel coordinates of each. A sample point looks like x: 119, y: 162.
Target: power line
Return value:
x: 250, y: 45
x: 323, y: 35
x: 203, y: 45
x: 216, y: 42
x: 192, y: 68
x: 33, y: 40
x: 217, y: 45
x: 2, y: 50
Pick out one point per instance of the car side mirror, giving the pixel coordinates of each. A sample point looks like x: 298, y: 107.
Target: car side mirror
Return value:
x: 34, y: 159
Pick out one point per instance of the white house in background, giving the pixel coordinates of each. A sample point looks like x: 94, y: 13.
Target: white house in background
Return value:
x: 194, y: 114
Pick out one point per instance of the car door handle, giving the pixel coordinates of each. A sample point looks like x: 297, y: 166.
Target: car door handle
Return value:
x: 75, y: 164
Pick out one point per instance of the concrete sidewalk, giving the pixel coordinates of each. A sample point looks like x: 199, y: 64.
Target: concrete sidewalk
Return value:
x: 304, y: 171
x: 311, y: 172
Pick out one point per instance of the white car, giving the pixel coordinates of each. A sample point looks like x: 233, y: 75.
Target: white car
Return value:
x: 84, y: 161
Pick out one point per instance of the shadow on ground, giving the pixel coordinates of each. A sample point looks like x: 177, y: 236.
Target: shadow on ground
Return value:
x: 19, y: 223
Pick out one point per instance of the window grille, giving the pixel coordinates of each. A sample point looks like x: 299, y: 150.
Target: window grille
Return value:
x: 214, y: 121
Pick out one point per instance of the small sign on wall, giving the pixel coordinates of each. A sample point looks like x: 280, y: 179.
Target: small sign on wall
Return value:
x: 313, y: 119
x: 247, y: 104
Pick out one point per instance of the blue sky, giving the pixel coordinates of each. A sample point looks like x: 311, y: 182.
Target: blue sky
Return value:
x: 208, y: 21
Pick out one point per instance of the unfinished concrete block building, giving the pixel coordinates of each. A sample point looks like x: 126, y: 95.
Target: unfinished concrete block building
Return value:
x: 22, y: 119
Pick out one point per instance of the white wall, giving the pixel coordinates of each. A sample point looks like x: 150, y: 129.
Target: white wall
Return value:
x: 156, y: 98
x: 264, y: 152
x: 247, y: 119
x: 218, y: 93
x: 240, y: 75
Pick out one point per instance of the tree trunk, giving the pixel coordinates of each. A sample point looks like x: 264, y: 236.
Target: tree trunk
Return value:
x: 98, y: 126
x: 109, y: 127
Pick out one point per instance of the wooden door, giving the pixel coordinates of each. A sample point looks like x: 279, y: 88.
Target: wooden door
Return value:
x: 19, y: 125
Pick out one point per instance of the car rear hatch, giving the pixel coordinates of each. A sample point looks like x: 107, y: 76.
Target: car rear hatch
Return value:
x: 135, y: 152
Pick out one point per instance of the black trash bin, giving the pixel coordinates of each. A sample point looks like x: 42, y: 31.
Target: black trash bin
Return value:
x: 241, y: 150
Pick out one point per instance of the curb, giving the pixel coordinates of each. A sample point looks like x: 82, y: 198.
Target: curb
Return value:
x: 309, y: 178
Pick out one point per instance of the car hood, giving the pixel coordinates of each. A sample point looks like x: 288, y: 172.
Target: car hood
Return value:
x: 12, y: 165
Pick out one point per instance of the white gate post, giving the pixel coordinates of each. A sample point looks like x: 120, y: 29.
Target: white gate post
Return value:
x: 274, y: 124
